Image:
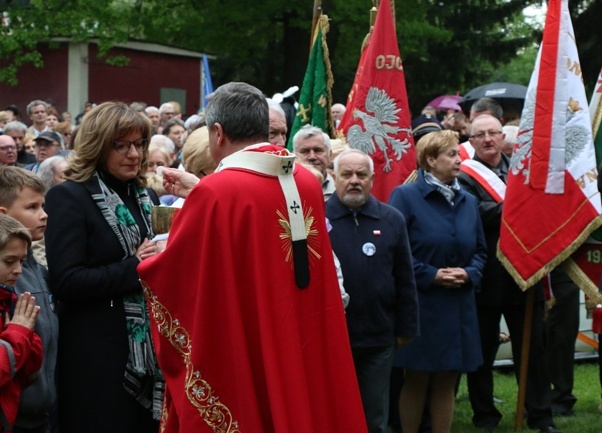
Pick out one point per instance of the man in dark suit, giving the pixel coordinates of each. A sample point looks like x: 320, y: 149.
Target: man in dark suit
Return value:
x: 371, y: 241
x: 485, y: 177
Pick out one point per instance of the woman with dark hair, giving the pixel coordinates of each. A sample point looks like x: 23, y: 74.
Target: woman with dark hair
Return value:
x: 108, y: 379
x: 449, y: 251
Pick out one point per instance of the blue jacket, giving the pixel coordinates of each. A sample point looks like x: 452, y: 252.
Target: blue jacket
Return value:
x: 446, y: 236
x: 382, y: 291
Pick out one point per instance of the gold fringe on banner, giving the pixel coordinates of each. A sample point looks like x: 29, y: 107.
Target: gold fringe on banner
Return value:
x: 547, y: 268
x: 583, y: 282
x: 324, y: 24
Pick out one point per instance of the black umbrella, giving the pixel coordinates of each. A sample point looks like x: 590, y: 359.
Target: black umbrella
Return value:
x: 510, y: 96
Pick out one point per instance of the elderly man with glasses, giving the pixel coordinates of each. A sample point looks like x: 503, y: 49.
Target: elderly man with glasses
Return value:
x: 8, y: 150
x: 485, y: 176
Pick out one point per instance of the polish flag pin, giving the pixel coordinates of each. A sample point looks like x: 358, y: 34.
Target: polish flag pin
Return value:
x: 376, y: 232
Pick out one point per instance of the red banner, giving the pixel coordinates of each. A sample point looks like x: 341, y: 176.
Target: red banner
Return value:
x: 377, y: 119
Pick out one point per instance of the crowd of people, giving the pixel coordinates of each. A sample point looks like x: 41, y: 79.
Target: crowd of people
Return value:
x: 286, y: 298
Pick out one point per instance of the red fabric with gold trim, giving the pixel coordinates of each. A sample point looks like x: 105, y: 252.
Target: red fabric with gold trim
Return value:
x: 243, y: 349
x: 552, y: 203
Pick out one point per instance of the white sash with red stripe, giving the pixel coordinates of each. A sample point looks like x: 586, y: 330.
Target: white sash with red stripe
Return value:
x: 466, y: 151
x: 494, y: 186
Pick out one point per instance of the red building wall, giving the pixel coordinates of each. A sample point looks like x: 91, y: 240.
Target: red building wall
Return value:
x: 48, y: 82
x: 143, y: 78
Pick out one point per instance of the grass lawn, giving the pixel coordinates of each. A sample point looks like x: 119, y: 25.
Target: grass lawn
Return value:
x: 587, y: 418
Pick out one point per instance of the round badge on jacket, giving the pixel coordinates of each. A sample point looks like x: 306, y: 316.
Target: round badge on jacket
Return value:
x: 369, y: 249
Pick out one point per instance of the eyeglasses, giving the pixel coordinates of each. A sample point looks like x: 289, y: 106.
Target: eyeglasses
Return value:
x: 123, y: 146
x: 7, y: 148
x: 482, y: 135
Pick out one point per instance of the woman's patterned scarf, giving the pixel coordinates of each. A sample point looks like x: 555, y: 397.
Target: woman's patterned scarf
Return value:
x: 448, y: 191
x: 143, y: 379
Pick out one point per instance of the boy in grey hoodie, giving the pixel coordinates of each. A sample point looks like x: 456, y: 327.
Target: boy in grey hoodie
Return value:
x: 22, y: 197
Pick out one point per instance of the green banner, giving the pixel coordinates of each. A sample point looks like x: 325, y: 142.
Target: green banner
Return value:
x: 315, y: 98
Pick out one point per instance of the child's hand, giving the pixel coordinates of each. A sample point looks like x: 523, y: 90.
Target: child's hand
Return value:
x: 26, y: 311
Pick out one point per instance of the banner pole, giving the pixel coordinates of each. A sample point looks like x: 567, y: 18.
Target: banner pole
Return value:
x: 524, y: 359
x: 314, y: 22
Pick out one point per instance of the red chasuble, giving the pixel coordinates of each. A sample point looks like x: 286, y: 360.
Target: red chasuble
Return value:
x: 243, y: 348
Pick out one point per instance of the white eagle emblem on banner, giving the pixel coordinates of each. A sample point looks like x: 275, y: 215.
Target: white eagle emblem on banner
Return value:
x: 380, y: 127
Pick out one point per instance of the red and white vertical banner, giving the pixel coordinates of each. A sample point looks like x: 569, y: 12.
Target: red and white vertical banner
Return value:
x: 586, y: 265
x: 552, y: 202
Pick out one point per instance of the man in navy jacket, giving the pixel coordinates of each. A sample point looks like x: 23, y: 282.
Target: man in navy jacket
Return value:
x: 371, y: 242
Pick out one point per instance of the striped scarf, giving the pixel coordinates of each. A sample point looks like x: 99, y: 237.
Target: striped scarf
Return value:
x: 448, y: 191
x: 143, y: 379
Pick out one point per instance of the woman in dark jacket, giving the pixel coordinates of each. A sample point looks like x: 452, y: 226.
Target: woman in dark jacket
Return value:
x: 98, y: 231
x: 449, y: 251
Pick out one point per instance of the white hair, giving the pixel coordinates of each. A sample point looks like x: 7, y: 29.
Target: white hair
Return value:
x: 151, y: 109
x: 165, y: 106
x: 273, y: 105
x: 47, y: 170
x: 165, y: 140
x: 341, y: 106
x: 309, y: 131
x: 192, y: 120
x: 347, y: 152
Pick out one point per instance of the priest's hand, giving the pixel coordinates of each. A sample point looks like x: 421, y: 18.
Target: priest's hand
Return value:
x: 178, y: 182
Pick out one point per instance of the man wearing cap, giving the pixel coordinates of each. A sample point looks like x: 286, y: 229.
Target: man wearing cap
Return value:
x: 371, y: 242
x: 424, y: 124
x: 8, y: 150
x: 47, y: 144
x: 255, y: 340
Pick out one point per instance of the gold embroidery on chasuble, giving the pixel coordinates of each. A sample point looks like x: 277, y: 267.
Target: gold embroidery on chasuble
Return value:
x: 310, y: 230
x: 163, y: 421
x: 200, y: 394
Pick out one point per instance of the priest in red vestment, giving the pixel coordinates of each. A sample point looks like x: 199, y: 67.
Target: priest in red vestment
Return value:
x: 246, y: 312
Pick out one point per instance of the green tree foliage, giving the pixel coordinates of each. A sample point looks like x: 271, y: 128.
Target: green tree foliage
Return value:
x: 447, y: 46
x: 586, y: 21
x: 28, y: 23
x: 483, y: 36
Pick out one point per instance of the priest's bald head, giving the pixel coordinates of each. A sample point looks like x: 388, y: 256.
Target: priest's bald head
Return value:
x: 237, y: 116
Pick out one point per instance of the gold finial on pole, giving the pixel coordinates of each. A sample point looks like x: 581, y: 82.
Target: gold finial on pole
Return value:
x: 373, y: 12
